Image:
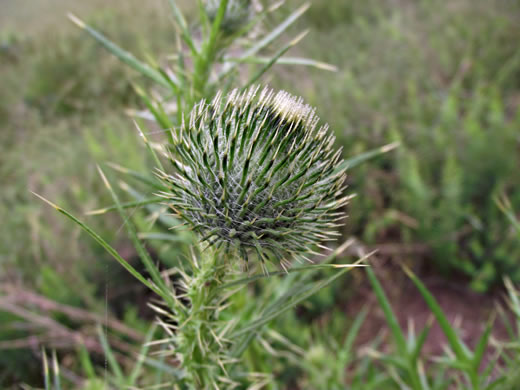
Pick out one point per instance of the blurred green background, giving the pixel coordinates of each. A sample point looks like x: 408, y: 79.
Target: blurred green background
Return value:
x: 440, y: 77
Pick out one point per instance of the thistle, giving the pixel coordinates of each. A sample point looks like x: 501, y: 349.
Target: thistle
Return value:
x: 238, y: 13
x: 254, y: 173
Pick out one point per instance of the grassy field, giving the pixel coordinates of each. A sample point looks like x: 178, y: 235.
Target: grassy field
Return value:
x: 440, y: 78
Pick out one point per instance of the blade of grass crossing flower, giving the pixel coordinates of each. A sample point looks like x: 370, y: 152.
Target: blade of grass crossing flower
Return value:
x: 156, y: 109
x: 289, y: 271
x: 126, y: 205
x: 111, y: 359
x: 141, y: 251
x: 149, y: 180
x: 166, y: 219
x: 327, y: 260
x: 162, y: 237
x: 149, y: 146
x: 391, y: 319
x: 123, y: 55
x: 459, y: 348
x: 352, y: 162
x: 104, y: 244
x: 275, y: 58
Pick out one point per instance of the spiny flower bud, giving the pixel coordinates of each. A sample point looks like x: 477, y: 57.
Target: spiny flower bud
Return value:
x: 238, y: 13
x: 255, y: 174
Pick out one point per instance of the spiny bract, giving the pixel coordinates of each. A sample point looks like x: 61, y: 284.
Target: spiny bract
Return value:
x: 255, y: 173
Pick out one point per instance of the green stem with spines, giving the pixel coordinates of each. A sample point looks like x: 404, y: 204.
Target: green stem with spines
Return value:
x: 197, y: 344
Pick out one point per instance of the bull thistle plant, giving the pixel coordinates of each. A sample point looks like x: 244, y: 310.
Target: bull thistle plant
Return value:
x: 251, y: 172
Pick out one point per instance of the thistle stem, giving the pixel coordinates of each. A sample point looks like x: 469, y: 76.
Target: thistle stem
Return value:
x: 197, y: 340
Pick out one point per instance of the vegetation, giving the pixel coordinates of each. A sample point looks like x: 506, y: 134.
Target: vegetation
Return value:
x: 423, y: 75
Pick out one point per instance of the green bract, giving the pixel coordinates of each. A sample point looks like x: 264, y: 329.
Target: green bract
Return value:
x: 255, y: 173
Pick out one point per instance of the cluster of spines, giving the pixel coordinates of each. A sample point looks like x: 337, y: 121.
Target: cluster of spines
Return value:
x: 255, y: 173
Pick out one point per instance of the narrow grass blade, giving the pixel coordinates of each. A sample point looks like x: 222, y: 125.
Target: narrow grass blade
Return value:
x: 352, y: 162
x: 141, y: 251
x: 293, y: 301
x: 391, y: 319
x: 275, y: 33
x: 482, y: 344
x: 111, y: 359
x: 149, y: 146
x: 505, y: 206
x: 514, y: 300
x: 421, y: 339
x: 46, y: 373
x: 56, y: 371
x: 157, y: 111
x: 286, y: 61
x: 274, y: 59
x: 148, y: 180
x: 123, y: 55
x: 162, y: 237
x: 86, y: 363
x: 181, y: 22
x: 288, y: 271
x: 126, y: 205
x: 460, y: 350
x: 104, y: 244
x: 344, y: 355
x: 325, y: 261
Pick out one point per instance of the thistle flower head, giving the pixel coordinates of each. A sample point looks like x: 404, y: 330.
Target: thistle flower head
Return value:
x: 254, y: 173
x: 238, y: 13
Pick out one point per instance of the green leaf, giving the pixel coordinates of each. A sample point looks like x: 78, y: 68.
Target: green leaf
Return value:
x: 86, y: 363
x: 181, y: 22
x: 141, y: 251
x: 419, y: 343
x: 323, y: 264
x: 274, y: 59
x: 460, y: 350
x: 275, y: 33
x: 285, y: 61
x: 104, y: 244
x: 391, y: 319
x: 56, y: 371
x: 123, y: 55
x: 46, y: 373
x: 293, y: 299
x: 482, y: 344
